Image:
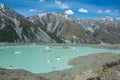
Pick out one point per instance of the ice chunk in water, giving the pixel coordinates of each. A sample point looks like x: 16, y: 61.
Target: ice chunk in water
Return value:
x: 17, y: 52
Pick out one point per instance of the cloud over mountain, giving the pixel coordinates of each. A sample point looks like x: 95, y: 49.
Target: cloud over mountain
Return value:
x: 69, y: 12
x: 108, y: 11
x: 100, y: 11
x: 32, y: 10
x: 82, y: 10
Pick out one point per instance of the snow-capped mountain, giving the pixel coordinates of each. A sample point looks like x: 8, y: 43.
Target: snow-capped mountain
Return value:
x: 16, y: 28
x: 110, y: 21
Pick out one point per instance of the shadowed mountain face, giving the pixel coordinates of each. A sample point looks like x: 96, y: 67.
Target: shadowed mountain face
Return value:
x: 56, y: 27
x: 15, y: 28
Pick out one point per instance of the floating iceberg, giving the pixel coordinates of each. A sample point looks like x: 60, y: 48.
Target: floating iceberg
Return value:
x: 48, y: 48
x: 48, y: 61
x: 58, y: 58
x: 17, y: 52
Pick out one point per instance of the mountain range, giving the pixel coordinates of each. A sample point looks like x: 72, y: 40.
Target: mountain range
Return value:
x: 53, y: 27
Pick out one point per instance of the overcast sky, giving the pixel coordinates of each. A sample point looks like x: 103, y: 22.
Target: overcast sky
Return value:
x: 77, y: 8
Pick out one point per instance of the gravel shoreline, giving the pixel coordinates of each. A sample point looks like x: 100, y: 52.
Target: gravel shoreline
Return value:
x: 87, y: 68
x: 108, y: 46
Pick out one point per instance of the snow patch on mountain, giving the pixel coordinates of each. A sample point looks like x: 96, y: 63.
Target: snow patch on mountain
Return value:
x: 1, y: 5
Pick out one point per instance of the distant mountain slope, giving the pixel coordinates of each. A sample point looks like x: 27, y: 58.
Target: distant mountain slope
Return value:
x: 15, y: 28
x: 63, y: 26
x: 70, y: 29
x: 106, y: 30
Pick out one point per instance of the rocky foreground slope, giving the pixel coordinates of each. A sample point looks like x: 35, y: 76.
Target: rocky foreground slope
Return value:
x: 6, y: 74
x: 102, y: 66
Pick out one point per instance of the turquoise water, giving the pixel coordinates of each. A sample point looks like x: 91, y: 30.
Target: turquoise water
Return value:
x: 42, y: 58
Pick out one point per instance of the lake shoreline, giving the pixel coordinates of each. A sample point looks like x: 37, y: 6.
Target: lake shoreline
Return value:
x: 109, y: 46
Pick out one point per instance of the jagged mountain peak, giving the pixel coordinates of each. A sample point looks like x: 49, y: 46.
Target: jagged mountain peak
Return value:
x: 109, y: 21
x: 52, y: 20
x: 108, y: 18
x: 55, y: 14
x: 6, y: 11
x: 2, y: 8
x: 1, y: 5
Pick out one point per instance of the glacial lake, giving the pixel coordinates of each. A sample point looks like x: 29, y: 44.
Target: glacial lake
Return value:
x: 43, y: 58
